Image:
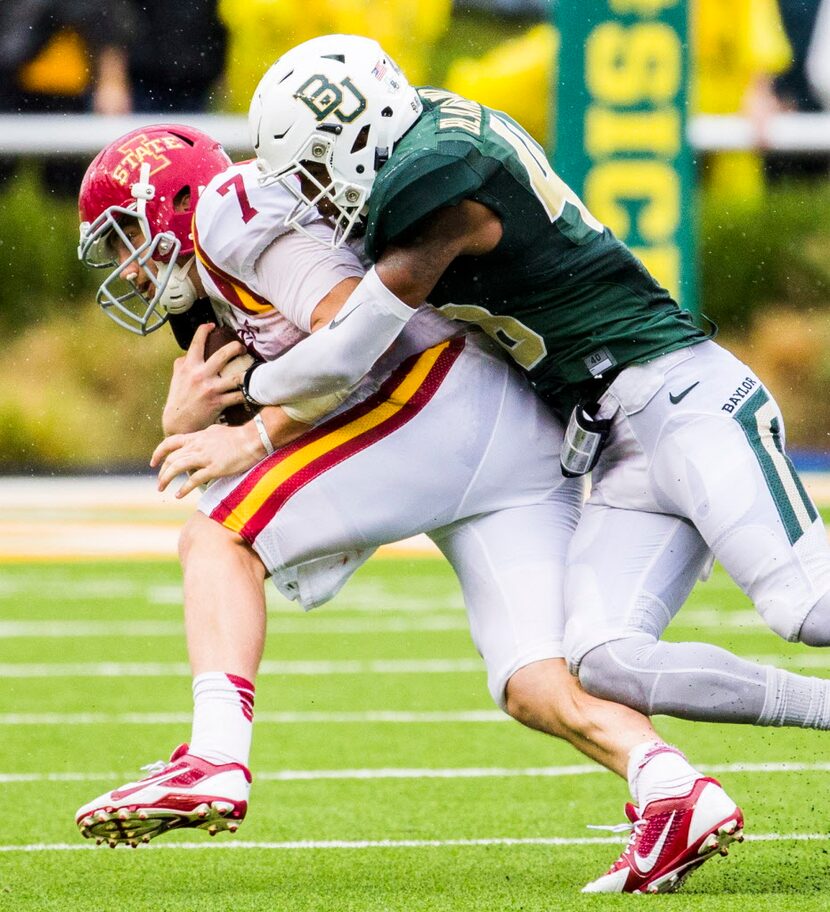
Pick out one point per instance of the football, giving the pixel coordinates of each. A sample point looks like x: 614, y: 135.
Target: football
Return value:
x: 218, y: 337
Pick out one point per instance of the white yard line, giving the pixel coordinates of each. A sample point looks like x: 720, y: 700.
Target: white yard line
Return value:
x: 312, y: 668
x: 356, y: 844
x: 393, y: 619
x: 263, y: 718
x: 487, y: 772
x: 86, y: 629
x: 315, y: 667
x: 277, y: 624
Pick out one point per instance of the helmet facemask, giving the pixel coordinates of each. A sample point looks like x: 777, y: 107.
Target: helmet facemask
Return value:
x: 317, y: 192
x: 117, y: 295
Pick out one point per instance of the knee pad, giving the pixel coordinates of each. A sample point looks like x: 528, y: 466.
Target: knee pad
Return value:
x: 815, y: 631
x: 611, y: 672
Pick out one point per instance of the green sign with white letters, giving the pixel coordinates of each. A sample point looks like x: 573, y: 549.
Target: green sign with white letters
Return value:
x: 620, y: 127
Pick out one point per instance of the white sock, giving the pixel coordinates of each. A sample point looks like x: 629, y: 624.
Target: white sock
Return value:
x: 223, y: 714
x: 657, y: 770
x: 793, y: 699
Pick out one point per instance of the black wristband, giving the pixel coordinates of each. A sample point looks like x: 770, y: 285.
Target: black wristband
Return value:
x: 246, y: 381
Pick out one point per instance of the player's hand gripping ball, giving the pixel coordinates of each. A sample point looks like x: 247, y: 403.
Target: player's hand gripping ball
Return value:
x: 236, y: 367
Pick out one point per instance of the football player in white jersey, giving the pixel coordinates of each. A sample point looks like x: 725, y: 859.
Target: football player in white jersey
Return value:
x: 487, y: 490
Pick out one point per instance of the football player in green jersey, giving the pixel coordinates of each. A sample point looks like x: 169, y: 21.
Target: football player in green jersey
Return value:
x: 458, y: 205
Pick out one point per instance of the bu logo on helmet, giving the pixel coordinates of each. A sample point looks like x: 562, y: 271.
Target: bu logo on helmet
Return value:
x: 325, y: 98
x: 142, y: 147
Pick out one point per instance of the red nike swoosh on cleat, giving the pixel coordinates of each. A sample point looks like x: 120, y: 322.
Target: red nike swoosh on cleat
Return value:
x: 646, y: 864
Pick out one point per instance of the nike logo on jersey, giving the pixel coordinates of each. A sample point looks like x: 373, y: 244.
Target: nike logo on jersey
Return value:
x: 675, y: 399
x: 646, y: 864
x: 338, y: 319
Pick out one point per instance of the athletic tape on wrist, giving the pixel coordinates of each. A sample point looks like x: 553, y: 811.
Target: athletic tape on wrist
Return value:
x: 263, y: 435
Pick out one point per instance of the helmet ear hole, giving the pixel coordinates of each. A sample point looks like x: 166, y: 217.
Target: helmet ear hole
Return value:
x: 182, y: 200
x: 361, y: 139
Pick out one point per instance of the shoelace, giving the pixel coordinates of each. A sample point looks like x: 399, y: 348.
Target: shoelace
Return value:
x: 156, y: 767
x: 635, y: 829
x: 616, y: 828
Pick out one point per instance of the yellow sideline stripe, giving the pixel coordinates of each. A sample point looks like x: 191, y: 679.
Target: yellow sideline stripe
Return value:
x: 45, y: 556
x: 281, y: 472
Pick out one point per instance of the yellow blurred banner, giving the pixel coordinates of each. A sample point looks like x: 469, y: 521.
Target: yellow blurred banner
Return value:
x: 61, y: 68
x: 261, y: 30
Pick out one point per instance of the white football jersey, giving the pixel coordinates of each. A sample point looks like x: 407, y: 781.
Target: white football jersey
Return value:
x: 265, y: 279
x: 236, y: 220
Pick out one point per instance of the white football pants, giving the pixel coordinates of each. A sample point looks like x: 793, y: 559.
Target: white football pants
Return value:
x: 457, y: 446
x: 695, y: 462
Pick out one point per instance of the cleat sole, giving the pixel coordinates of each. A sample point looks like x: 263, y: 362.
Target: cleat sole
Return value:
x: 150, y: 807
x: 135, y: 825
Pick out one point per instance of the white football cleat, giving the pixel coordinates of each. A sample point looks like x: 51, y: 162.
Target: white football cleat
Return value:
x: 671, y: 838
x: 185, y: 792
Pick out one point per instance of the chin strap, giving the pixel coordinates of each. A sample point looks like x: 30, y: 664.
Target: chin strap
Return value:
x: 180, y: 292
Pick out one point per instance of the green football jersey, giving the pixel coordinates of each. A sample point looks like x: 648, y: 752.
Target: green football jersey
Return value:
x: 565, y: 297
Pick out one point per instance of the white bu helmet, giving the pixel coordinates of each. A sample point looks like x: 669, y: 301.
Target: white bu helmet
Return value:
x: 338, y: 101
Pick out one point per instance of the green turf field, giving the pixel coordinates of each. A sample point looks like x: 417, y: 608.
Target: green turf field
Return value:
x: 384, y: 779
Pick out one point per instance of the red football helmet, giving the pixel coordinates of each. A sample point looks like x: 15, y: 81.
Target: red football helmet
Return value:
x: 144, y: 176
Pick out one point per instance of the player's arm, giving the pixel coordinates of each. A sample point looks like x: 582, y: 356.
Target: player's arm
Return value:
x: 309, y: 299
x: 379, y: 307
x: 332, y: 303
x: 308, y: 286
x: 410, y: 270
x: 219, y: 451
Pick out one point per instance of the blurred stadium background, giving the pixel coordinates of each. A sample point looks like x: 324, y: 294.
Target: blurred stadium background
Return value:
x: 696, y: 129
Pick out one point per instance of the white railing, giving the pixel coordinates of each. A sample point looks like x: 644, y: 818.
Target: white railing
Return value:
x: 784, y: 133
x: 85, y: 134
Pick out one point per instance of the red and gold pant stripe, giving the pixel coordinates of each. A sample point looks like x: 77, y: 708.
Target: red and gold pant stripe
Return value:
x: 257, y: 498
